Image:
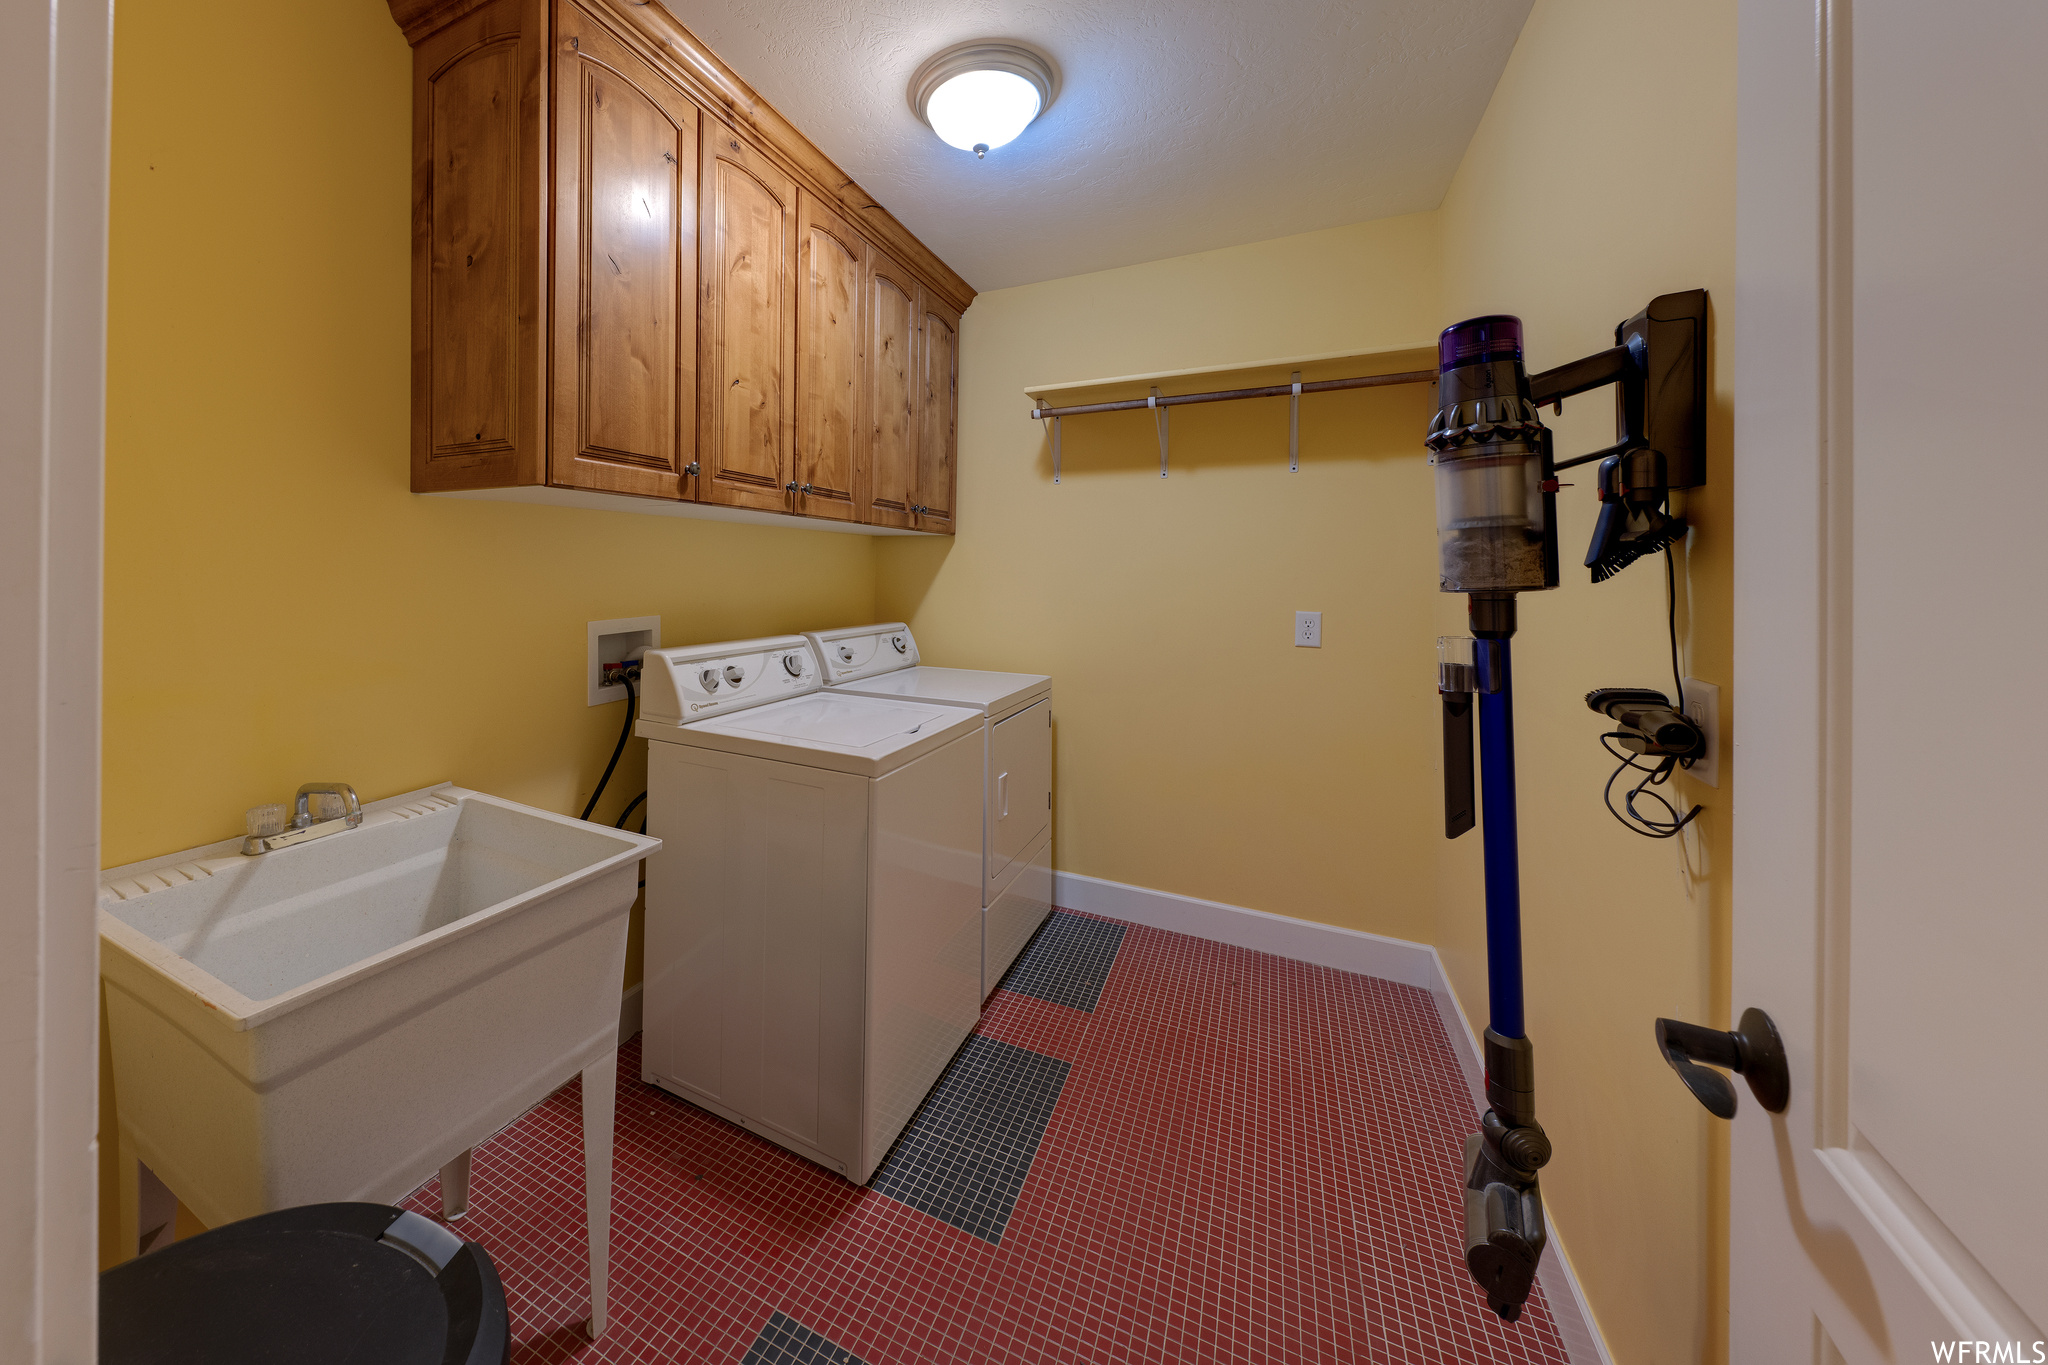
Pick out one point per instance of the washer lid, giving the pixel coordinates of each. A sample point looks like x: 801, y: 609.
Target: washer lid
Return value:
x: 821, y: 719
x: 992, y: 694
x: 862, y: 651
x: 866, y: 736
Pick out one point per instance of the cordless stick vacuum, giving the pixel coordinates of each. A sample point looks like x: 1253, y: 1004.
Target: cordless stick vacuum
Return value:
x: 1496, y: 504
x: 1496, y: 501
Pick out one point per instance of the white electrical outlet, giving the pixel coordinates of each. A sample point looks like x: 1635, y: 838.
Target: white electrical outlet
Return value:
x: 1308, y: 629
x: 1703, y: 704
x: 607, y: 642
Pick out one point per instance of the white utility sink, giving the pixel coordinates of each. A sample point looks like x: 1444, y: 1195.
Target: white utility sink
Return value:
x: 340, y: 1019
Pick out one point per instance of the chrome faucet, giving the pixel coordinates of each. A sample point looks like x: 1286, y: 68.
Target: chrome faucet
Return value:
x: 269, y: 829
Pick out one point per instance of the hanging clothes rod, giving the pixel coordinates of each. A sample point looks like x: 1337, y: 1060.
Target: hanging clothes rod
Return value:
x: 1370, y: 381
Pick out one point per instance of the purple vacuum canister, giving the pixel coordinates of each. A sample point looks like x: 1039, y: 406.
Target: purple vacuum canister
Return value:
x: 1496, y: 527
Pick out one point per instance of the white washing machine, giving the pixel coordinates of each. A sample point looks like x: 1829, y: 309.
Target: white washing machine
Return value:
x: 1016, y: 890
x: 813, y: 941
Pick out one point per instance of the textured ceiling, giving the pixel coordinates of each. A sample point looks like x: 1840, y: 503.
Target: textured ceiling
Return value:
x: 1180, y: 126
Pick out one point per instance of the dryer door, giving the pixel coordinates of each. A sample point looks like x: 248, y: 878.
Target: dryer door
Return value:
x: 1019, y: 786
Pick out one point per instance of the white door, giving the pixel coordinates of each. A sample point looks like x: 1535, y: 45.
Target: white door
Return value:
x: 1891, y: 350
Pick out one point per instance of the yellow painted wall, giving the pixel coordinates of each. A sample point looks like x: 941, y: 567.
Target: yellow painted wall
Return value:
x: 279, y: 608
x: 1615, y: 125
x: 1198, y: 751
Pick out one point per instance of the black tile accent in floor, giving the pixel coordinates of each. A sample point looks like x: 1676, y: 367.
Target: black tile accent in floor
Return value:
x: 1067, y: 961
x: 785, y: 1341
x: 965, y: 1154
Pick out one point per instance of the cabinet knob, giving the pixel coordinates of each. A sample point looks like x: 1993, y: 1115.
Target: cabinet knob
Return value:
x: 807, y: 490
x: 791, y: 487
x: 691, y: 469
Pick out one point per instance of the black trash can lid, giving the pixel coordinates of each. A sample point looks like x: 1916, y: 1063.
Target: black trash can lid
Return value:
x: 325, y: 1284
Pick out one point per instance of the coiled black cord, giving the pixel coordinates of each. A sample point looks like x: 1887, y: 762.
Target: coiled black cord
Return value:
x: 1649, y: 826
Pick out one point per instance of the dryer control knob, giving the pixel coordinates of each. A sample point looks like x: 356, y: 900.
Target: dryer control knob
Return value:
x: 901, y: 647
x: 733, y: 674
x: 846, y: 653
x: 709, y: 677
x: 794, y: 663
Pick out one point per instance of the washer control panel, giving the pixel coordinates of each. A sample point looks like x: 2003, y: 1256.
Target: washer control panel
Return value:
x: 863, y: 651
x: 697, y: 682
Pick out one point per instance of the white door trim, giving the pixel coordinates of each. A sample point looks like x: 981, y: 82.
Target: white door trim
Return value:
x: 55, y: 72
x: 1347, y: 950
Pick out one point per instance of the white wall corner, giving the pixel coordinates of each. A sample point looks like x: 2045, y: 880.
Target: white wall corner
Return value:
x: 1347, y: 950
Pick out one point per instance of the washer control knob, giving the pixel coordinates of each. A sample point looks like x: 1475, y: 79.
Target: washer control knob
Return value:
x: 733, y: 674
x: 846, y: 653
x: 709, y: 678
x: 794, y: 663
x: 901, y: 646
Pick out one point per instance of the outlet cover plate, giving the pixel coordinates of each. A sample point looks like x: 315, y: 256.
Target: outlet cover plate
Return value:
x: 608, y: 642
x: 1308, y: 629
x: 1703, y: 704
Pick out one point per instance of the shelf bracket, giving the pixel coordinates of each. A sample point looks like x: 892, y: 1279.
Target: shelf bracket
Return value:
x: 1159, y: 411
x: 1294, y: 426
x: 1055, y: 450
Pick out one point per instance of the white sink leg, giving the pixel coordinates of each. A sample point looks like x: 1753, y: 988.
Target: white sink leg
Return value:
x: 128, y: 1210
x: 600, y: 1094
x: 455, y: 1186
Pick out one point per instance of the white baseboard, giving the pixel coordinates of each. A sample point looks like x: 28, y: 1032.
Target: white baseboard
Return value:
x: 1347, y: 950
x: 629, y: 1012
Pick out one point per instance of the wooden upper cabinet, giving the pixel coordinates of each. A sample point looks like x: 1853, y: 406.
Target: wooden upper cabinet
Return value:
x: 939, y: 437
x: 747, y: 327
x: 831, y: 356
x: 893, y: 300
x: 478, y: 403
x: 632, y: 276
x: 625, y: 394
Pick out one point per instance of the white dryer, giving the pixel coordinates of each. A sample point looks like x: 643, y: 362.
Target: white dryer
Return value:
x: 813, y: 940
x: 882, y: 662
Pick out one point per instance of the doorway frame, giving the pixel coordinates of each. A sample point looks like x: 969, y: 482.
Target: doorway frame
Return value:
x: 55, y: 118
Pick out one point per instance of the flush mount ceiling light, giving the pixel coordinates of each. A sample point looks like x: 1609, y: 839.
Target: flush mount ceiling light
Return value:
x: 980, y: 95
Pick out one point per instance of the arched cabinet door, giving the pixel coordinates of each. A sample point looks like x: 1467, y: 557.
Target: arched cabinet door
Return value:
x: 746, y: 327
x: 625, y: 345
x: 831, y: 356
x: 477, y: 401
x: 939, y: 430
x: 893, y: 407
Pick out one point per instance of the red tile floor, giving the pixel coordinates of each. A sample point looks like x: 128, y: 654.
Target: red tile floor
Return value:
x: 1253, y: 1159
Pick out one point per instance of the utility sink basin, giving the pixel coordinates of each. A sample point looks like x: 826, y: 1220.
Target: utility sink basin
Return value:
x: 337, y: 1020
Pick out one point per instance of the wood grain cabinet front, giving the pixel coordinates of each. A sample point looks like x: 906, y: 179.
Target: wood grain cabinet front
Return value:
x: 747, y: 327
x: 634, y: 281
x: 625, y: 372
x: 894, y: 300
x: 831, y: 360
x: 939, y: 439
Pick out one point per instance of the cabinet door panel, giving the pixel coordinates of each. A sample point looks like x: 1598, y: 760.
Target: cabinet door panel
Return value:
x: 748, y: 331
x: 892, y: 297
x: 939, y: 431
x: 625, y: 357
x: 831, y: 429
x: 477, y: 401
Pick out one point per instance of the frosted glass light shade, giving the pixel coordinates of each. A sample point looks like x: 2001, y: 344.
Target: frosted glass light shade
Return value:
x: 983, y: 109
x: 980, y: 95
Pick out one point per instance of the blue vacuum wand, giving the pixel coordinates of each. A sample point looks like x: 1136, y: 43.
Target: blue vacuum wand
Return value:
x: 1496, y: 529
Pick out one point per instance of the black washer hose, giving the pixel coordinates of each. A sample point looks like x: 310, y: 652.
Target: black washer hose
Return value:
x: 625, y: 732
